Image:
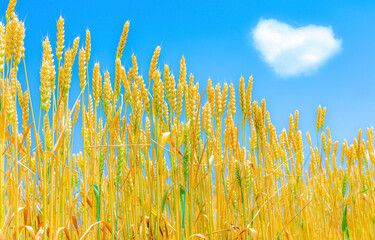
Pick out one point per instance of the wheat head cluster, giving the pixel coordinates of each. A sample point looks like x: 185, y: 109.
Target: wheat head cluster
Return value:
x: 162, y: 158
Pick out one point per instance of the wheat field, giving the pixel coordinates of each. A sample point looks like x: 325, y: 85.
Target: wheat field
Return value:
x: 162, y: 158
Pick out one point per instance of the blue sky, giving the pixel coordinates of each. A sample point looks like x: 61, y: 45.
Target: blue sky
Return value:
x: 215, y: 38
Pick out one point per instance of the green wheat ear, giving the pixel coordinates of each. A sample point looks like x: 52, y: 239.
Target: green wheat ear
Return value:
x: 185, y: 164
x: 238, y: 174
x: 120, y: 159
x: 344, y: 184
x: 101, y: 164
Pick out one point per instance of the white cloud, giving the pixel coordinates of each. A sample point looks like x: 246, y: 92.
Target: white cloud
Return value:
x: 292, y: 51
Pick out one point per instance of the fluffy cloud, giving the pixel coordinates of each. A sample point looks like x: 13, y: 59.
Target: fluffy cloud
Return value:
x: 292, y: 51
